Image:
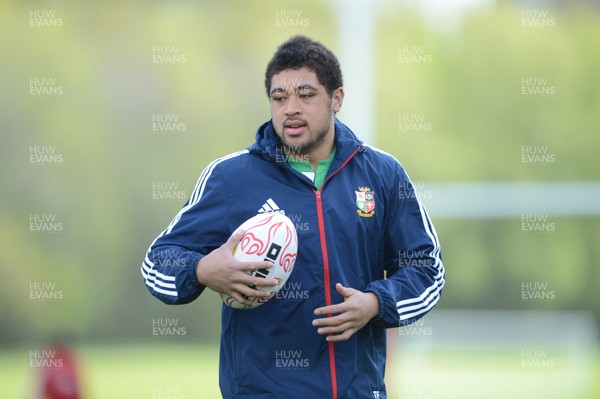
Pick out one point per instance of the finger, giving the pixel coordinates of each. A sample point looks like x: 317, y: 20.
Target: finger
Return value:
x: 255, y: 279
x: 263, y: 282
x: 250, y: 280
x: 331, y: 321
x: 334, y: 329
x: 238, y: 297
x: 244, y: 294
x: 252, y: 291
x: 345, y: 336
x: 252, y: 266
x: 331, y: 309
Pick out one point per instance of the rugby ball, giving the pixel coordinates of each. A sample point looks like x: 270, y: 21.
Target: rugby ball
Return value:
x: 267, y: 237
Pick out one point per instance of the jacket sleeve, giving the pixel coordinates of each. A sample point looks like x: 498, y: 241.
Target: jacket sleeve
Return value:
x: 169, y: 267
x: 413, y: 262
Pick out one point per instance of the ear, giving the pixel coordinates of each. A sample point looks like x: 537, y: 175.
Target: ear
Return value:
x: 337, y: 99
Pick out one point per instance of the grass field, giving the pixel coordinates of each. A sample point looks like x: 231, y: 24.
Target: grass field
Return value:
x: 497, y: 374
x: 185, y: 371
x: 152, y: 371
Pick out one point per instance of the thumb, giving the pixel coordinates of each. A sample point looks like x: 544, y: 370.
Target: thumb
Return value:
x: 234, y: 239
x: 343, y: 291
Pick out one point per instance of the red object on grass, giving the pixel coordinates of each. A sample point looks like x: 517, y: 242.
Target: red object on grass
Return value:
x: 60, y: 379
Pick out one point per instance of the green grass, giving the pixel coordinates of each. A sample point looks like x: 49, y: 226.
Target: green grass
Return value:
x: 152, y: 370
x: 498, y: 374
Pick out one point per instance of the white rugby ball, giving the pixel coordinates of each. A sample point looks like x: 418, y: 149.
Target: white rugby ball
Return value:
x: 267, y: 237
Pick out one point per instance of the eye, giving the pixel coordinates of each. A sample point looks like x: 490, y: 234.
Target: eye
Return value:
x: 277, y: 98
x: 305, y: 96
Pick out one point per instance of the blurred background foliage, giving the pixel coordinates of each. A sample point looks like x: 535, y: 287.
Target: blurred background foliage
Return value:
x: 102, y: 125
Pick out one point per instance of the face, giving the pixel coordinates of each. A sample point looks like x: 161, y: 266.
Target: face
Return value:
x: 302, y: 111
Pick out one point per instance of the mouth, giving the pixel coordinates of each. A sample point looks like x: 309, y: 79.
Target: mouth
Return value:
x: 294, y: 127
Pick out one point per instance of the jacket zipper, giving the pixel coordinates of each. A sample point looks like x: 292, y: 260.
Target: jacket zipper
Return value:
x: 326, y: 276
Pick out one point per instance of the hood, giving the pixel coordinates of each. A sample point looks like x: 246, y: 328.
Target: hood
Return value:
x: 267, y: 143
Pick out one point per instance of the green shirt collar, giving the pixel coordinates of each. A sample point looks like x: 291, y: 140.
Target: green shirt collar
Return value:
x: 318, y: 176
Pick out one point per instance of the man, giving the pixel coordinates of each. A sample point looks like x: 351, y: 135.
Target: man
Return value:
x: 368, y: 255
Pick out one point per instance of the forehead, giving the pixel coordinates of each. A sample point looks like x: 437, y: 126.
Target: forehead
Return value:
x: 292, y: 78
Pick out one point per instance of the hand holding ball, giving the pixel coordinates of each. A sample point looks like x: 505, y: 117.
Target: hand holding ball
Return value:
x: 267, y: 237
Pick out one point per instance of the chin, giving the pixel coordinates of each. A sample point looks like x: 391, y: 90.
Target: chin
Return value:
x: 293, y: 146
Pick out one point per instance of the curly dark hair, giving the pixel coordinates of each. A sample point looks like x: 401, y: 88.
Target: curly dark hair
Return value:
x: 301, y: 51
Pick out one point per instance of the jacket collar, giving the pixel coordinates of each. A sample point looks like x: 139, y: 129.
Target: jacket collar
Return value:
x: 269, y: 145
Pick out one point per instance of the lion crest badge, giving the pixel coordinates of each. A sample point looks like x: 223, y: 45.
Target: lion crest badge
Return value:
x: 365, y: 202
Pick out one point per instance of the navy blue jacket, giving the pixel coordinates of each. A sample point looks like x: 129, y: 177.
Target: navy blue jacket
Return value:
x: 364, y: 228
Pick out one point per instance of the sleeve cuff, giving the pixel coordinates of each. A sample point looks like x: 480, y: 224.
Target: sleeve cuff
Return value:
x: 192, y: 263
x: 387, y: 309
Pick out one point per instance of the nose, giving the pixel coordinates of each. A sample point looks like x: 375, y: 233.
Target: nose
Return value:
x: 292, y: 105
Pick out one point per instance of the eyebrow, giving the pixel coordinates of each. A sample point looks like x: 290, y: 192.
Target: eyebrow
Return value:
x: 297, y: 89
